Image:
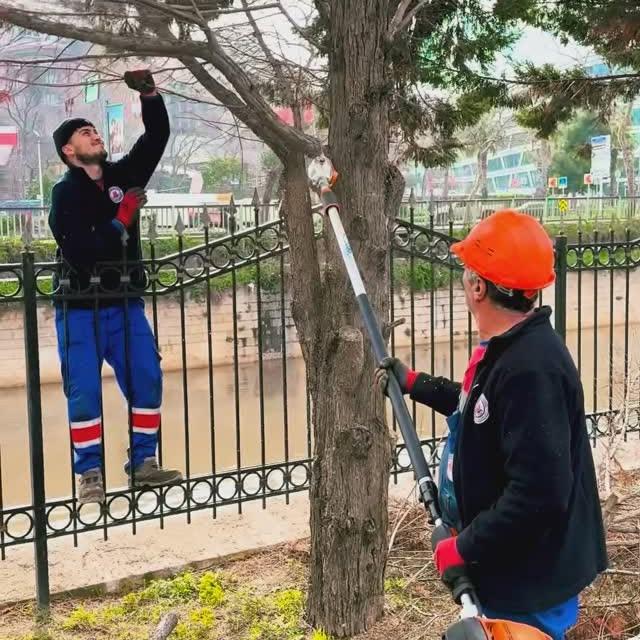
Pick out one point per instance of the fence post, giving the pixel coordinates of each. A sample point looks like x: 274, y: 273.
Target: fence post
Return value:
x: 36, y: 449
x: 560, y: 310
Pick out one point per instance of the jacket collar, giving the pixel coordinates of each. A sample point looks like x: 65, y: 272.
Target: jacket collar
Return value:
x: 498, y: 344
x: 78, y: 173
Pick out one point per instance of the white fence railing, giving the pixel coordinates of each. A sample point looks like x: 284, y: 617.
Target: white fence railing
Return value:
x: 13, y: 221
x: 464, y: 213
x: 460, y: 212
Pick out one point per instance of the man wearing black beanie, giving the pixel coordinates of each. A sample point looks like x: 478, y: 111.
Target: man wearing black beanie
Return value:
x: 94, y: 219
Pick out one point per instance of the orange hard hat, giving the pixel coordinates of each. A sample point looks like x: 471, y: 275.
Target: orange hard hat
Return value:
x: 511, y: 250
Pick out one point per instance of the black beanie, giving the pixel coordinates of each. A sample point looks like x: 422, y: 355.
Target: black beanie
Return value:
x: 65, y: 130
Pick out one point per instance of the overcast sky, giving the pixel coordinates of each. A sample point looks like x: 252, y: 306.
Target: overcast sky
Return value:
x: 540, y: 47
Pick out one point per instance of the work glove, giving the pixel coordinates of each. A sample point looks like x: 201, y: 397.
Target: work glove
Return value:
x: 449, y: 563
x: 140, y: 80
x: 447, y: 557
x: 405, y: 376
x: 134, y: 199
x: 451, y: 567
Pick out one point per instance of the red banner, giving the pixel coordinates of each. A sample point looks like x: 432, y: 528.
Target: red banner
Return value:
x: 8, y: 141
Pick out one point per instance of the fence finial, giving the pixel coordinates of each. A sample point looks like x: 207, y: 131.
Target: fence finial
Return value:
x: 255, y: 202
x: 152, y: 231
x: 179, y: 226
x: 27, y: 232
x: 205, y: 220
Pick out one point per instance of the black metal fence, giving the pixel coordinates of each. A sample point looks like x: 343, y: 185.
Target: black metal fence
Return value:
x: 236, y: 412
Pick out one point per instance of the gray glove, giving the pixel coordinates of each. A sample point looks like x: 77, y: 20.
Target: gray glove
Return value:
x: 399, y: 369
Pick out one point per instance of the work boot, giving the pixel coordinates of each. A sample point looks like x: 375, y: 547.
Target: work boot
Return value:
x: 91, y: 487
x: 149, y: 474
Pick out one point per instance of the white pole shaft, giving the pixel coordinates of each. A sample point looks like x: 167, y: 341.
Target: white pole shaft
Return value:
x: 347, y: 252
x: 469, y: 609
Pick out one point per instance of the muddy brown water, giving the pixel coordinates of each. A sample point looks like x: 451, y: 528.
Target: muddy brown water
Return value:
x: 290, y: 439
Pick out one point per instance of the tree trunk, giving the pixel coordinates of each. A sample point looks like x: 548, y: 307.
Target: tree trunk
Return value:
x: 543, y: 162
x: 273, y: 177
x: 613, y: 178
x: 350, y: 476
x: 483, y: 158
x: 626, y: 146
x: 629, y: 169
x: 445, y: 186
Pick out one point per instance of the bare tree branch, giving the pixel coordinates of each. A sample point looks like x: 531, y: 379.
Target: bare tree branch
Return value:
x: 55, y: 85
x: 398, y: 17
x: 198, y: 12
x: 230, y: 10
x: 298, y: 29
x: 411, y: 14
x: 247, y: 104
x: 275, y: 133
x: 277, y: 68
x: 171, y: 11
x: 323, y: 9
x: 134, y: 43
x: 97, y: 57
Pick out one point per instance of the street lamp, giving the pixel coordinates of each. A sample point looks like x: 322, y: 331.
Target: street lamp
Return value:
x: 37, y: 135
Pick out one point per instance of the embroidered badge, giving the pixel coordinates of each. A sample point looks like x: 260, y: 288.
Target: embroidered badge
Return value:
x: 481, y: 410
x: 116, y: 194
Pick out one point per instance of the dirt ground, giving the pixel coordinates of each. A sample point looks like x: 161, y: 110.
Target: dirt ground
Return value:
x: 261, y: 597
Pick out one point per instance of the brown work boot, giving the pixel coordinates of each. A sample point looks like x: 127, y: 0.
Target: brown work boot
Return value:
x: 149, y: 474
x: 91, y: 487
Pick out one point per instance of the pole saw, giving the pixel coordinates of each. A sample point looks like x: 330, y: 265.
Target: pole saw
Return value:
x: 472, y: 624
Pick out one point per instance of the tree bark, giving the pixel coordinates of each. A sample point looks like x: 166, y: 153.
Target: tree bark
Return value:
x: 305, y: 281
x: 483, y: 157
x: 445, y: 186
x: 613, y: 177
x: 543, y: 162
x: 350, y: 475
x: 273, y: 177
x: 630, y: 170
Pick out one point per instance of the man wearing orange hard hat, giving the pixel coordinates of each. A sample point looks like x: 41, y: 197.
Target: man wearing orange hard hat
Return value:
x: 516, y: 480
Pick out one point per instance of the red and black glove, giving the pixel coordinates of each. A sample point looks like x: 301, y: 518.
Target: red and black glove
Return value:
x: 141, y: 80
x: 449, y: 562
x: 134, y: 199
x: 446, y: 556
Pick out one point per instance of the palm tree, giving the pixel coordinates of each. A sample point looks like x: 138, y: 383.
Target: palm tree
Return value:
x: 623, y: 140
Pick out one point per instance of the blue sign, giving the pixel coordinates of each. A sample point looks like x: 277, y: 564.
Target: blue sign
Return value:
x: 563, y: 182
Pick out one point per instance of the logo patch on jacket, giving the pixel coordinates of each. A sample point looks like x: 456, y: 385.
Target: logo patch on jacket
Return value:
x: 481, y: 410
x: 116, y: 194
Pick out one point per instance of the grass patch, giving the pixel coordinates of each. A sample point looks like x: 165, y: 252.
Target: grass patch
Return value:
x: 275, y: 616
x: 210, y: 605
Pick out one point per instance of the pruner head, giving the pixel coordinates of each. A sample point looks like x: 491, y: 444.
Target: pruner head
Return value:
x: 321, y: 172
